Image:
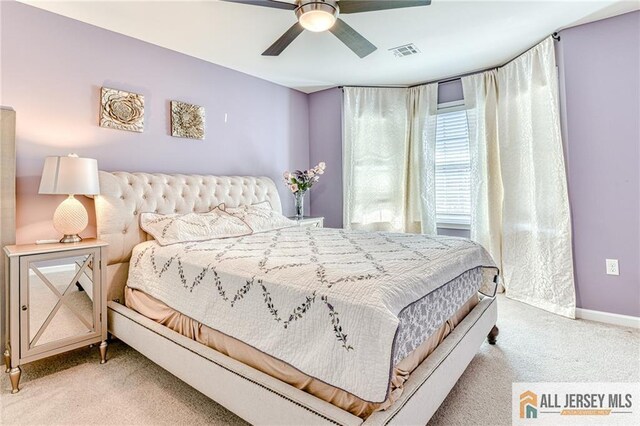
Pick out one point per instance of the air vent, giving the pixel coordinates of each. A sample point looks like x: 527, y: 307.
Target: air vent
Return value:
x: 405, y: 50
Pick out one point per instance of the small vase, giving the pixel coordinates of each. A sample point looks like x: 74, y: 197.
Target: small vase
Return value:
x: 299, y: 197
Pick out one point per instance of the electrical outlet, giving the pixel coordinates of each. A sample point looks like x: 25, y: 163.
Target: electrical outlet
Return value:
x: 612, y: 267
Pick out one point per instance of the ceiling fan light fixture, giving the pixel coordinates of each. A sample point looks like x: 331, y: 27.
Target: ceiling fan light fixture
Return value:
x: 318, y: 15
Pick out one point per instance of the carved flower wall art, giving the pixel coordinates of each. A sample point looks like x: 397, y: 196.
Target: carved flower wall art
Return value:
x: 187, y: 120
x: 121, y: 110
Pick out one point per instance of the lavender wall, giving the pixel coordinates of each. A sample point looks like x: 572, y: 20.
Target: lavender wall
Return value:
x: 450, y: 91
x: 600, y: 67
x: 325, y: 139
x: 52, y: 71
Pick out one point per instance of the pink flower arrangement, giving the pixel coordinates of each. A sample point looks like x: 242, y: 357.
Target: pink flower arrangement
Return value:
x: 303, y: 180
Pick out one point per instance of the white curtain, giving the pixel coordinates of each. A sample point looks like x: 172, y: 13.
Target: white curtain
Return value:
x: 480, y: 97
x: 521, y: 205
x: 385, y: 133
x: 375, y: 152
x: 423, y: 114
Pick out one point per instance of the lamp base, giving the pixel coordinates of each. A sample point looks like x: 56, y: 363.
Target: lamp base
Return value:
x: 71, y: 239
x: 69, y: 219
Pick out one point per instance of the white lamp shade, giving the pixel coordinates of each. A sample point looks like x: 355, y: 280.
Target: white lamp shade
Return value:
x: 70, y: 175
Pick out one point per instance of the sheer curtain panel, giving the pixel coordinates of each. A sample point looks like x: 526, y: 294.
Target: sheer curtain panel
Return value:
x: 536, y: 225
x: 520, y: 199
x: 480, y: 97
x: 423, y: 115
x: 388, y: 159
x: 375, y: 151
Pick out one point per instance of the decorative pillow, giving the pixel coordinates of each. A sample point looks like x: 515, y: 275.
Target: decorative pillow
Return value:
x: 265, y: 205
x: 261, y: 217
x: 180, y: 228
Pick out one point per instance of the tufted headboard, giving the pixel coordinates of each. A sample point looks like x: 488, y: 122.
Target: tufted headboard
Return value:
x: 123, y: 196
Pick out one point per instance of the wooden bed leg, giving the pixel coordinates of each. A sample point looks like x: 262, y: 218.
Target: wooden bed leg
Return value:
x: 493, y: 334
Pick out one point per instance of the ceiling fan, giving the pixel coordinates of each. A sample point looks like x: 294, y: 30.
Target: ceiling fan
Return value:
x: 322, y: 15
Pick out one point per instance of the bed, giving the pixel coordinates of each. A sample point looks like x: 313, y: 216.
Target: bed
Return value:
x: 246, y: 389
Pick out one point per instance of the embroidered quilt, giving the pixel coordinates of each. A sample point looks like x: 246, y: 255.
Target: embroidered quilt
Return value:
x: 326, y: 301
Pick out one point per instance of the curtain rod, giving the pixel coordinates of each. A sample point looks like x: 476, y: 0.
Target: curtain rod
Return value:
x: 555, y: 36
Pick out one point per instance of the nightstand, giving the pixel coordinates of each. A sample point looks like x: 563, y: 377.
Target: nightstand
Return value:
x: 55, y: 301
x: 311, y: 222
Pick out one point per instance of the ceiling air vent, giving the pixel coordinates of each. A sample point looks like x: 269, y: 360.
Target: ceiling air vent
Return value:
x: 405, y: 50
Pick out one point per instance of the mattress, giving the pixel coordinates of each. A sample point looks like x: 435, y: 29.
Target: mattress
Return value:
x: 188, y: 327
x: 319, y: 298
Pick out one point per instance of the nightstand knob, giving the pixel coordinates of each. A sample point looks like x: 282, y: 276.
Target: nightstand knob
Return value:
x: 24, y: 307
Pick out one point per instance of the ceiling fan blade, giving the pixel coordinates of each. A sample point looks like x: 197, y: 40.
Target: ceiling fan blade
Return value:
x: 354, y: 41
x: 276, y: 48
x: 266, y: 3
x: 357, y: 6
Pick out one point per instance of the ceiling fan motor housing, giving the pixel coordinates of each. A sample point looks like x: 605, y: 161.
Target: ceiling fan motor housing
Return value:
x: 317, y: 15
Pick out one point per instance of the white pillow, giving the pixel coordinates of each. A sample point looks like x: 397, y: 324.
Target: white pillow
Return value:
x: 261, y: 217
x: 180, y: 228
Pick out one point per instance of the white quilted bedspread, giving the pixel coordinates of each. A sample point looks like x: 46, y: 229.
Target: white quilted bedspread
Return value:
x: 325, y: 301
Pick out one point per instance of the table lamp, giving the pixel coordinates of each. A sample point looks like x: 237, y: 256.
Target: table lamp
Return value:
x: 70, y: 175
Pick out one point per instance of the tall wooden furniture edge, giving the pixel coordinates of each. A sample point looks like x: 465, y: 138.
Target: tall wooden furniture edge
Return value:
x: 7, y: 203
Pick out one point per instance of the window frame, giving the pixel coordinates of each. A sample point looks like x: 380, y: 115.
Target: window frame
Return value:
x: 445, y: 107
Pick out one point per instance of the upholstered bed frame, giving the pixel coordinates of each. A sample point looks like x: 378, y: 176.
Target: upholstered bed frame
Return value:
x: 123, y: 196
x: 251, y: 394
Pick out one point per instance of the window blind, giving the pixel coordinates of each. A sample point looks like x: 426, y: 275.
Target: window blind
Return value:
x: 453, y: 169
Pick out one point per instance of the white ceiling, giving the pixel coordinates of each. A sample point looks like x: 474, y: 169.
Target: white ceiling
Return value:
x: 454, y: 37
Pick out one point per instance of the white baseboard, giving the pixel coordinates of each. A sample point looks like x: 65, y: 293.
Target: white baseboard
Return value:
x: 609, y: 318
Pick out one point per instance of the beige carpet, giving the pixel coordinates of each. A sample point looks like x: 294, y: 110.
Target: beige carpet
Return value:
x: 130, y: 390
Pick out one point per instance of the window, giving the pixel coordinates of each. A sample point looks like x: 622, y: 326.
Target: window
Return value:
x: 453, y: 167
